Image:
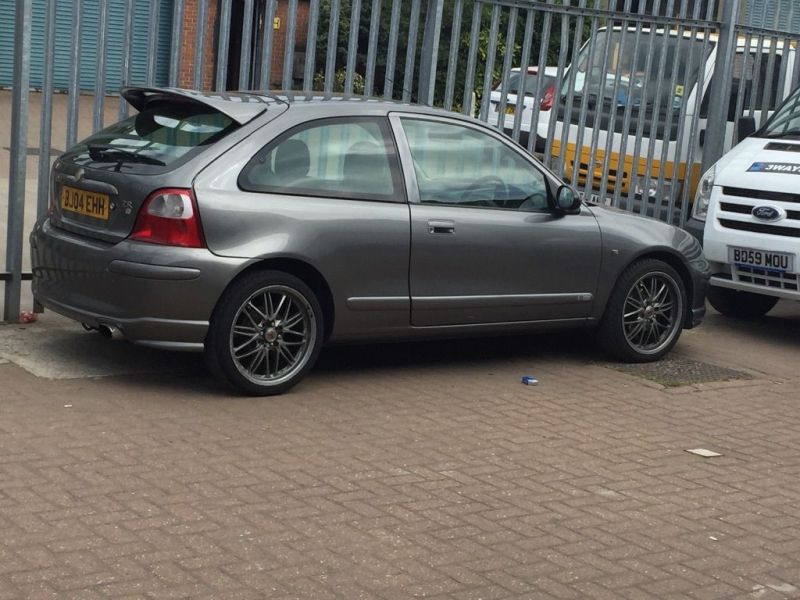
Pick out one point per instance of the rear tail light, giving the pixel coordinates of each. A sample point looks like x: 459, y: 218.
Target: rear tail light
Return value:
x: 169, y: 217
x: 547, y: 101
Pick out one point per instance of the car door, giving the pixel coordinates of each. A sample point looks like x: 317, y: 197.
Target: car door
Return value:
x: 485, y: 245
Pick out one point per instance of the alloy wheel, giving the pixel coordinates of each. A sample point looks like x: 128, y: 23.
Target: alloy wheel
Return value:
x: 651, y: 312
x: 273, y: 335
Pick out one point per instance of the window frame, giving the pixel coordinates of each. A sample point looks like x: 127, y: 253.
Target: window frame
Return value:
x: 395, y: 168
x: 412, y: 185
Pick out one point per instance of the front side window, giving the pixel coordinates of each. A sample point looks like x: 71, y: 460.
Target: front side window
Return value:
x: 461, y: 166
x: 351, y: 158
x: 750, y: 71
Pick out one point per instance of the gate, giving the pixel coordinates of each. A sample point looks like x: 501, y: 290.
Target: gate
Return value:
x: 617, y: 96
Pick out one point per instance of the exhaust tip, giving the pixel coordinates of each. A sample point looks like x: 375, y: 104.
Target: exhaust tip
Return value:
x: 110, y: 332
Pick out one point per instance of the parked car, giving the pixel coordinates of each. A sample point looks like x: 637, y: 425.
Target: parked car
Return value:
x: 529, y: 99
x: 259, y: 228
x: 746, y: 206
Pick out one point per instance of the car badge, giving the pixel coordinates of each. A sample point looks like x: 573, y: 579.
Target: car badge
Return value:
x: 768, y: 213
x: 79, y: 174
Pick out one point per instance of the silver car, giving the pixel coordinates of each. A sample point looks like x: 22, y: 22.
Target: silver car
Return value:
x: 258, y: 228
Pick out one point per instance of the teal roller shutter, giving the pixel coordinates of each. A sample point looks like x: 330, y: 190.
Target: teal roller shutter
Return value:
x: 774, y: 14
x: 90, y: 22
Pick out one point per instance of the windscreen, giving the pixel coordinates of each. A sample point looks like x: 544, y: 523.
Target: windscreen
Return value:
x: 680, y: 57
x: 786, y: 121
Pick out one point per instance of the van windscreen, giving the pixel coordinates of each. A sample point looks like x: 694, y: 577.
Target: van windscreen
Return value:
x: 636, y: 71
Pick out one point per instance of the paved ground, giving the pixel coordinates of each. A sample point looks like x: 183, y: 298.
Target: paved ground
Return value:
x: 401, y: 471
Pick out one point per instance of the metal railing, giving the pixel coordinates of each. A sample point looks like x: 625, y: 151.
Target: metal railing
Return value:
x: 614, y: 93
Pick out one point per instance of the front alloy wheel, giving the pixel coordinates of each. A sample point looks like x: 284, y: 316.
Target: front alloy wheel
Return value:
x: 652, y: 312
x: 645, y: 314
x: 266, y: 333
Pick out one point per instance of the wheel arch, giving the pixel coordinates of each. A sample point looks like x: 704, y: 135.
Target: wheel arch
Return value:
x: 303, y: 271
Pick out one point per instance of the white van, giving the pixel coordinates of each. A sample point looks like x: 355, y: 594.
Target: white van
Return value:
x: 750, y: 202
x: 658, y: 84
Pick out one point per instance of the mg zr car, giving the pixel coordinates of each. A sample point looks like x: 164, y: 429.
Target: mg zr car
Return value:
x: 258, y: 228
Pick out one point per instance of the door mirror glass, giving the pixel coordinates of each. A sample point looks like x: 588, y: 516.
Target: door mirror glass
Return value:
x: 745, y: 127
x: 567, y: 200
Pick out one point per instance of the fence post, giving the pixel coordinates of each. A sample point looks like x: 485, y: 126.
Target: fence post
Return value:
x: 430, y: 51
x: 721, y: 81
x: 19, y: 148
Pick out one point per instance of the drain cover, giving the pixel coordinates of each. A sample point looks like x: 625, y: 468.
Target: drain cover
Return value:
x: 673, y: 372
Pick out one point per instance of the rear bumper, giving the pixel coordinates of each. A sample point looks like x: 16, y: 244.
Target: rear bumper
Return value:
x: 155, y: 295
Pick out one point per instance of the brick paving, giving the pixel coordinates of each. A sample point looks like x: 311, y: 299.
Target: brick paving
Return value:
x: 418, y: 470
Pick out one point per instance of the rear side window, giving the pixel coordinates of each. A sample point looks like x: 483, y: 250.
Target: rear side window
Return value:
x: 348, y: 158
x: 157, y: 136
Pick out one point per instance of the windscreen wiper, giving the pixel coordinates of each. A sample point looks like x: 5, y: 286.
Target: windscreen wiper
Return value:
x: 109, y: 153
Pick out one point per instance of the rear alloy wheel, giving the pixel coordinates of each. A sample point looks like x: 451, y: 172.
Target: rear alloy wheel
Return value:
x: 741, y: 305
x: 645, y: 314
x: 267, y: 333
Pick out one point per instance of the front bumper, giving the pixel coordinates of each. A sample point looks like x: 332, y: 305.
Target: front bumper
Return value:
x: 155, y: 295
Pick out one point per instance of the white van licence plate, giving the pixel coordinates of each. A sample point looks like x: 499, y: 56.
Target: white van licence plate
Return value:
x: 762, y: 259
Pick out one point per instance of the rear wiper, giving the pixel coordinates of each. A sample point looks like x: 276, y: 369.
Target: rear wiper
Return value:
x: 106, y: 152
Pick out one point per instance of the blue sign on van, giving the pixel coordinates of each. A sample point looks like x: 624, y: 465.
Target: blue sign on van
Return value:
x: 775, y: 167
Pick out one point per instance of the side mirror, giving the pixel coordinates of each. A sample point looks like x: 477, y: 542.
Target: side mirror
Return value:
x: 745, y: 127
x: 567, y: 201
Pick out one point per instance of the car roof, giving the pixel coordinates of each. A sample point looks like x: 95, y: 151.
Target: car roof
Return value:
x: 347, y: 104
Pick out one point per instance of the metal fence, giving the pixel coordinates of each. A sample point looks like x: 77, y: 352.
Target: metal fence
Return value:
x: 620, y: 97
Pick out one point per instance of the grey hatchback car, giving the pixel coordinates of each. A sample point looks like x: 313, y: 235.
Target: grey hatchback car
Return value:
x: 259, y: 227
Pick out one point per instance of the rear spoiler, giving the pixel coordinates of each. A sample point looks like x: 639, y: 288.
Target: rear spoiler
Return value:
x: 241, y: 107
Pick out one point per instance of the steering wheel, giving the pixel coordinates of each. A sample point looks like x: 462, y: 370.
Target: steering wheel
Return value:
x: 490, y: 184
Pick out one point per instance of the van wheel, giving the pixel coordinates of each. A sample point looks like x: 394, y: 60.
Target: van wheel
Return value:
x: 741, y: 305
x: 266, y: 333
x: 645, y: 314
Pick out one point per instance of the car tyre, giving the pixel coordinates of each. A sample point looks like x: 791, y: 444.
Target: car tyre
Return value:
x: 738, y: 304
x: 266, y: 333
x: 645, y: 314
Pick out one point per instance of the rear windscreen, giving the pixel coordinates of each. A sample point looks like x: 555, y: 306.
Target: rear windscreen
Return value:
x: 157, y: 136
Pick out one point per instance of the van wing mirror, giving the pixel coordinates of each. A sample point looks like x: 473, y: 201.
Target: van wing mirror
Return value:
x: 745, y: 127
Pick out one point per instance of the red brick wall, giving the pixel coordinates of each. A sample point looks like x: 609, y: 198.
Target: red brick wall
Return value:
x: 210, y: 50
x: 279, y: 39
x: 188, y: 62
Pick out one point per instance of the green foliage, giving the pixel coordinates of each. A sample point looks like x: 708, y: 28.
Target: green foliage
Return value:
x: 338, y: 82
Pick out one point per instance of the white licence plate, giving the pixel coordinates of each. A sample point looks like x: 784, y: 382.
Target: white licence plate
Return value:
x: 762, y: 259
